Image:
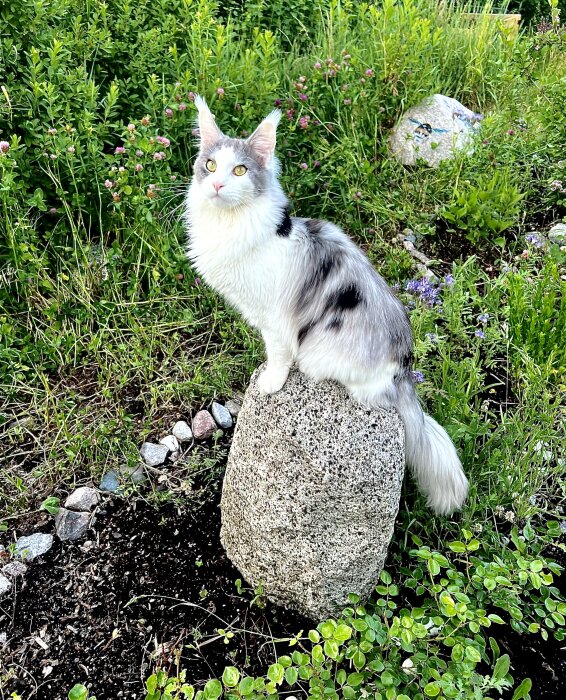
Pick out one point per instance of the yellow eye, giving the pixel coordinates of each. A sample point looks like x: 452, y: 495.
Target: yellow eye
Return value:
x: 240, y: 170
x: 210, y: 166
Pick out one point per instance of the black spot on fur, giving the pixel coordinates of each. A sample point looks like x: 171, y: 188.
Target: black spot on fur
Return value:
x: 304, y: 330
x: 285, y: 226
x: 346, y: 298
x: 335, y: 323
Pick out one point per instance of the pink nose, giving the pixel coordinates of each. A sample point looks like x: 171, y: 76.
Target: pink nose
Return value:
x: 217, y: 186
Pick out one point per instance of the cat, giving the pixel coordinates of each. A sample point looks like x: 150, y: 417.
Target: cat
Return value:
x: 312, y: 293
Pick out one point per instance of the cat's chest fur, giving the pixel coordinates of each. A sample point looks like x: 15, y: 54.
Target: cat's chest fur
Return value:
x: 249, y: 276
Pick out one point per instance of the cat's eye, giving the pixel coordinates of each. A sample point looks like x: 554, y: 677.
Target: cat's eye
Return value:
x: 210, y: 166
x: 240, y: 170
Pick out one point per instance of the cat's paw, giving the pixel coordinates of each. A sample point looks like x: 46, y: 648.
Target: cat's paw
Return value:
x: 272, y: 379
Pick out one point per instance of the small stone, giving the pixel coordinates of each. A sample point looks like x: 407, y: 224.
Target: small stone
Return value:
x: 154, y: 455
x: 221, y: 415
x: 83, y: 498
x: 71, y: 525
x: 203, y: 425
x: 14, y: 568
x: 32, y: 546
x: 557, y: 234
x: 136, y: 474
x: 234, y: 407
x: 182, y: 431
x: 109, y: 482
x: 171, y: 442
x: 5, y: 585
x: 174, y: 456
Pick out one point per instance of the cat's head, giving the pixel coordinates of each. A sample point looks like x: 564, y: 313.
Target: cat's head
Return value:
x: 232, y: 172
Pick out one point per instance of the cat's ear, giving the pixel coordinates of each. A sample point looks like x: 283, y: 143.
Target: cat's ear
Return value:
x: 262, y: 141
x: 208, y: 132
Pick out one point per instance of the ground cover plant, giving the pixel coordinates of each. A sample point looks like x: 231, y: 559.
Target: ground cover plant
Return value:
x: 106, y: 334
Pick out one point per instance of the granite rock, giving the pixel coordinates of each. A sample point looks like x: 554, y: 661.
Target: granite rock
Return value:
x: 234, y: 407
x: 171, y: 442
x: 221, y: 415
x: 182, y: 431
x: 71, y: 525
x: 154, y: 455
x: 110, y: 482
x: 32, y: 546
x: 83, y: 498
x: 14, y: 569
x: 203, y: 425
x: 311, y: 493
x: 557, y: 234
x: 433, y: 130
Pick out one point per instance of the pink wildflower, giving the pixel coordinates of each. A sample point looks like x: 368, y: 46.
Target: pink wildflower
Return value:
x: 4, y: 147
x: 121, y: 169
x: 109, y: 184
x: 192, y: 96
x: 220, y: 92
x: 304, y: 166
x: 318, y: 65
x: 347, y: 101
x: 182, y: 107
x: 139, y: 153
x: 131, y: 127
x: 145, y: 120
x: 159, y: 155
x: 119, y: 150
x: 369, y: 72
x: 51, y: 131
x: 303, y: 97
x: 115, y: 196
x: 168, y: 112
x: 164, y: 141
x: 277, y: 103
x: 138, y: 168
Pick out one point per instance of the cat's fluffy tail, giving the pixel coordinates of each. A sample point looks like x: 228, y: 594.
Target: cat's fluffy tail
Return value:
x: 431, y: 455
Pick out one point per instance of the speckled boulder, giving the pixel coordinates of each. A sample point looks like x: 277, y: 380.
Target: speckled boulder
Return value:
x: 311, y: 492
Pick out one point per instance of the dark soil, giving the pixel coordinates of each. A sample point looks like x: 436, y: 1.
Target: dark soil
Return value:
x: 149, y: 583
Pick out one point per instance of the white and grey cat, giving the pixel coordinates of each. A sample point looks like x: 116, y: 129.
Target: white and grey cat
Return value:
x: 311, y: 292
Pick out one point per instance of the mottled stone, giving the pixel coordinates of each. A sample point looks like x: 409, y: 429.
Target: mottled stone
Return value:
x: 234, y: 407
x: 221, y: 415
x: 110, y: 482
x: 14, y: 568
x: 83, y: 498
x: 71, y: 525
x: 311, y: 493
x: 154, y: 455
x: 182, y: 431
x: 5, y: 585
x: 203, y: 425
x: 135, y: 474
x: 433, y: 130
x: 170, y: 442
x: 32, y: 546
x: 557, y: 234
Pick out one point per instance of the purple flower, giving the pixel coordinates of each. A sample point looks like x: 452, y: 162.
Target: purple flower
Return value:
x: 168, y: 112
x: 182, y: 107
x: 418, y: 376
x: 304, y: 122
x: 138, y: 168
x: 479, y: 334
x: 316, y: 164
x: 220, y: 91
x: 163, y: 141
x: 428, y: 292
x: 290, y: 113
x: 277, y: 102
x: 159, y: 155
x: 369, y: 73
x: 4, y: 147
x: 432, y: 337
x: 449, y: 280
x: 119, y: 150
x: 192, y: 96
x: 303, y: 166
x: 303, y: 97
x: 510, y: 132
x: 53, y: 210
x: 318, y: 65
x: 483, y: 318
x: 533, y: 239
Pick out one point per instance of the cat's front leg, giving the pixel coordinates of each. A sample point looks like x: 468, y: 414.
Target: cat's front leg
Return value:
x: 279, y: 361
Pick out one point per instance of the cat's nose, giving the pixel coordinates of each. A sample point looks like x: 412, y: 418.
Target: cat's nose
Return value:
x: 217, y: 186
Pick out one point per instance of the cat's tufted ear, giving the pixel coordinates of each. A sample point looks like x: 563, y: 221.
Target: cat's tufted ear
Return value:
x: 262, y: 141
x: 208, y: 132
